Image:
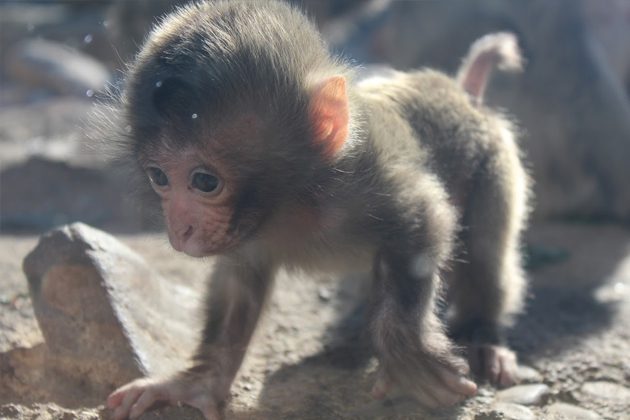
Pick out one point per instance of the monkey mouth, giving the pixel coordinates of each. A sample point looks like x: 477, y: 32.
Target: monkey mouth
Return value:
x: 199, y: 246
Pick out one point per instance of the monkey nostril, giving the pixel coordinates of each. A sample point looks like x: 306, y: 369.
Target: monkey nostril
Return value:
x: 187, y: 234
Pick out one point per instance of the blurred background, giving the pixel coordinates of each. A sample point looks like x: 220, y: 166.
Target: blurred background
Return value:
x: 571, y: 102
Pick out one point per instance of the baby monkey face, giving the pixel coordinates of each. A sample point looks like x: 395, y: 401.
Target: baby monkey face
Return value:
x: 196, y: 203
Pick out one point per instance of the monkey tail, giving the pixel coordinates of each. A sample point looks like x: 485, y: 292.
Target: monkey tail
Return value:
x: 493, y: 50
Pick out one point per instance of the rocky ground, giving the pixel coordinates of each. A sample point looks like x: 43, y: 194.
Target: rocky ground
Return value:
x: 308, y: 359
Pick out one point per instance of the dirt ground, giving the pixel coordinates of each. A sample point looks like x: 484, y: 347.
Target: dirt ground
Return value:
x: 308, y: 359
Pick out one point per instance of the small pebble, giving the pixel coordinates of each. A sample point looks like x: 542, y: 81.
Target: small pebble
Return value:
x: 484, y: 400
x: 485, y: 392
x: 570, y: 412
x: 506, y: 411
x: 533, y: 394
x: 606, y: 391
x: 324, y: 294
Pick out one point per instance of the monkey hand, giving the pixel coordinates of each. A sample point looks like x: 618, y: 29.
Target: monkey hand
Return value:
x: 435, y: 380
x: 134, y: 398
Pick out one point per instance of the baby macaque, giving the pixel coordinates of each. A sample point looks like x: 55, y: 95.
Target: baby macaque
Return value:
x: 265, y: 150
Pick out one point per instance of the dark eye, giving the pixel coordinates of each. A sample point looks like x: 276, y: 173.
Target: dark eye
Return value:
x: 157, y: 176
x: 205, y: 182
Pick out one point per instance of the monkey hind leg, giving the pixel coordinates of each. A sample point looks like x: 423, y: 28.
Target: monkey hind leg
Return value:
x: 489, y: 283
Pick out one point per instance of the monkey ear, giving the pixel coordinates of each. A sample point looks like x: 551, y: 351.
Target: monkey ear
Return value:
x: 330, y: 115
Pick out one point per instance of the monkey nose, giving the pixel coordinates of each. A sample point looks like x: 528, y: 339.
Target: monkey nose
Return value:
x: 179, y: 239
x: 187, y: 234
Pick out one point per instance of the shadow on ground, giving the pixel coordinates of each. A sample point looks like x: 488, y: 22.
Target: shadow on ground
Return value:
x: 562, y: 309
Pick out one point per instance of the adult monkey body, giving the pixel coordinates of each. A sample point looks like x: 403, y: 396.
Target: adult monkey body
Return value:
x: 264, y: 151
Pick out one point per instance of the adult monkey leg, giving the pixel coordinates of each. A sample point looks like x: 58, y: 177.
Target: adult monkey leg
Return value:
x: 237, y: 296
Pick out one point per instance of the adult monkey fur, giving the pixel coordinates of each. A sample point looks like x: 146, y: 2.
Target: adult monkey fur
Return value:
x: 263, y: 150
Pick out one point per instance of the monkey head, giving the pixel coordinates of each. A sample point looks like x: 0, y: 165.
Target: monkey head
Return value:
x: 223, y: 141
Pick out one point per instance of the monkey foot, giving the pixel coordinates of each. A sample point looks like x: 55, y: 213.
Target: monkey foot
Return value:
x: 497, y: 364
x: 436, y: 387
x: 133, y: 399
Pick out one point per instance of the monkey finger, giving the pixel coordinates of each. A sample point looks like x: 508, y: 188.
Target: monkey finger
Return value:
x: 148, y: 399
x: 115, y: 398
x: 129, y: 398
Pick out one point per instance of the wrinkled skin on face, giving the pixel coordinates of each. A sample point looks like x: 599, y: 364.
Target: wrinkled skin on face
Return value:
x: 202, y: 185
x: 197, y: 202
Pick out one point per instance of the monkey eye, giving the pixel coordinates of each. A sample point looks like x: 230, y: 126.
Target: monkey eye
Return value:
x: 205, y: 182
x: 157, y: 176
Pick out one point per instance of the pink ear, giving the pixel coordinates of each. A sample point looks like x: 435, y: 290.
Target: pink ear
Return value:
x: 329, y: 113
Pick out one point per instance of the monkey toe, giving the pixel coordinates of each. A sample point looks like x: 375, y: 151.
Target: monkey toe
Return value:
x: 496, y: 364
x: 447, y: 391
x: 431, y: 382
x: 449, y: 386
x: 442, y: 396
x: 458, y: 384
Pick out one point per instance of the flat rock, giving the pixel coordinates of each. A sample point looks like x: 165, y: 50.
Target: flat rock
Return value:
x: 58, y: 67
x: 606, y: 391
x: 532, y: 394
x: 563, y: 411
x: 106, y: 316
x: 506, y: 411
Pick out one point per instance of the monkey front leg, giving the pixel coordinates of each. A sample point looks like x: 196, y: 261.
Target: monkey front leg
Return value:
x: 236, y: 298
x: 413, y: 350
